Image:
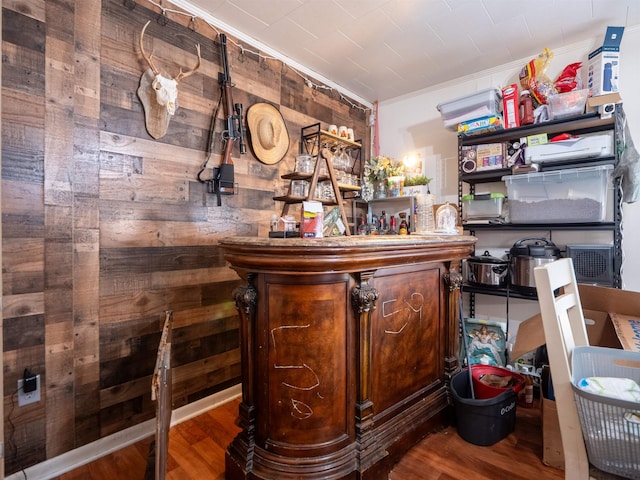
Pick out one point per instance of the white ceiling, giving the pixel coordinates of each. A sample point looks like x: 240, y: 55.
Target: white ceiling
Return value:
x: 380, y: 49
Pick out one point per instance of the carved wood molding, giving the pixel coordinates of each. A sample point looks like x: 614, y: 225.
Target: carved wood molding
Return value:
x: 453, y: 280
x: 246, y: 299
x: 363, y: 301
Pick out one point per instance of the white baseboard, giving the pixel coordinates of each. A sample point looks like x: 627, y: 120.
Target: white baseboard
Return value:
x: 73, y: 459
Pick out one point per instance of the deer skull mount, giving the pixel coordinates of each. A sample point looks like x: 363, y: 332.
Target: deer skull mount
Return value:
x: 158, y: 93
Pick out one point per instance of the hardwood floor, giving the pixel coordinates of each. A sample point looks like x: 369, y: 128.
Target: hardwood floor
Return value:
x: 196, y: 452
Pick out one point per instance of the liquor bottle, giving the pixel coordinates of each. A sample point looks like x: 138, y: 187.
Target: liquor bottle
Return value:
x: 403, y: 229
x: 393, y: 228
x: 384, y: 227
x: 362, y: 228
x: 374, y: 226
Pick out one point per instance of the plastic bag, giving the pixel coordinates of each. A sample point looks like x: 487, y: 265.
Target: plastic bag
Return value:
x: 629, y: 165
x: 533, y: 77
x: 568, y: 80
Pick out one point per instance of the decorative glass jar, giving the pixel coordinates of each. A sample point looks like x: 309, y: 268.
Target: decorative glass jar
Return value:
x: 395, y: 185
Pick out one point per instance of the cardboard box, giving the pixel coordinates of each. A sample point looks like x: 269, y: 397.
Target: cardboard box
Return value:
x: 604, y: 104
x: 491, y: 123
x: 604, y: 63
x: 311, y: 225
x: 611, y: 318
x: 533, y: 140
x: 511, y: 106
x: 600, y: 305
x: 490, y: 156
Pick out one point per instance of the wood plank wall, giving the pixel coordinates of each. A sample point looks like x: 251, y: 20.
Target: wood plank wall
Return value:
x: 105, y: 228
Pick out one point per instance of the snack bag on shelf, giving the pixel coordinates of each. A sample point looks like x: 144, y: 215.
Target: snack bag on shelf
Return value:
x: 533, y: 77
x: 568, y: 80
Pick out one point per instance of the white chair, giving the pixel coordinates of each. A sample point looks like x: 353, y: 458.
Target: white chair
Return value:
x: 564, y: 329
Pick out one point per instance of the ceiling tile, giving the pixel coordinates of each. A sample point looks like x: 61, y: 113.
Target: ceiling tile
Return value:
x: 382, y: 48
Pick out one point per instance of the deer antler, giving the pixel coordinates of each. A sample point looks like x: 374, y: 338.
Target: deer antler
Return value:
x: 148, y: 57
x: 182, y: 74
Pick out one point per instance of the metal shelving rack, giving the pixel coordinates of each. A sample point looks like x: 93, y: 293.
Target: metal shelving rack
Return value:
x: 584, y: 124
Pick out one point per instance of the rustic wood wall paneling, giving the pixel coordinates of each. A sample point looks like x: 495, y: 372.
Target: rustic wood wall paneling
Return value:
x: 2, y: 437
x: 59, y: 175
x: 86, y: 228
x: 23, y: 147
x: 105, y: 228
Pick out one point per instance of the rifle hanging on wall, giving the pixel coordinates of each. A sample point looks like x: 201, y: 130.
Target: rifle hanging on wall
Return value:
x: 223, y: 182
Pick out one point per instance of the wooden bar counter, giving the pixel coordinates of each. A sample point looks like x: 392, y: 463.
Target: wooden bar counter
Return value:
x: 348, y: 344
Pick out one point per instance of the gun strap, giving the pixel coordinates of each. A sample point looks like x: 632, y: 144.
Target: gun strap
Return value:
x: 212, y: 138
x: 216, y: 186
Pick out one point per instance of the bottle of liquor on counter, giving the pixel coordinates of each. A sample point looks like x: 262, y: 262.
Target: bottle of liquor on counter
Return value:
x: 403, y: 229
x: 374, y: 226
x: 384, y: 227
x: 393, y: 227
x: 362, y: 228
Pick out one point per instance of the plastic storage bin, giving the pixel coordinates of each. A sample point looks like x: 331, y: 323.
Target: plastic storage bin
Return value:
x: 569, y: 104
x: 484, y: 206
x: 480, y: 104
x: 574, y: 195
x: 484, y: 391
x: 610, y: 427
x: 482, y: 422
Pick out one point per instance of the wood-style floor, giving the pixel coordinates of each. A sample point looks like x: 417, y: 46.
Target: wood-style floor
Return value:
x: 197, y: 446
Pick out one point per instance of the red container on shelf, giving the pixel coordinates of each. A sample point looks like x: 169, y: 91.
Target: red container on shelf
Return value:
x: 483, y: 391
x: 510, y: 106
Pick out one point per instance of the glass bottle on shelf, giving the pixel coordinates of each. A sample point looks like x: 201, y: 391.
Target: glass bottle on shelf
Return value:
x: 393, y: 228
x: 403, y: 229
x: 374, y: 224
x: 362, y: 228
x: 384, y: 227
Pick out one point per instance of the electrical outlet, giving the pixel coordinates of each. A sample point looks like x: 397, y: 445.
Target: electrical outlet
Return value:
x: 31, y: 397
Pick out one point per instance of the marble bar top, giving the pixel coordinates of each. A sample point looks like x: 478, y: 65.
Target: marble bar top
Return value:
x: 341, y: 253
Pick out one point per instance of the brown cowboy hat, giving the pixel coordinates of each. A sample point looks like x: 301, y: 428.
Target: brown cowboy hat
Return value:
x: 268, y: 132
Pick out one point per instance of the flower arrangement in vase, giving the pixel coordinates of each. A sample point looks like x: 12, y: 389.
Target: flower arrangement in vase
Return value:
x: 384, y: 176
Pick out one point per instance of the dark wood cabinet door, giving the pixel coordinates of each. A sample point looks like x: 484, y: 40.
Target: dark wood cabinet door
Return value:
x: 406, y: 335
x: 305, y: 394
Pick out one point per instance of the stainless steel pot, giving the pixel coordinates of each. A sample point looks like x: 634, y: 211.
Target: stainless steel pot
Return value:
x: 524, y: 256
x: 486, y: 270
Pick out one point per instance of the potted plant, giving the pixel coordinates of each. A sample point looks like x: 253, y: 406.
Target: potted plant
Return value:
x: 417, y: 185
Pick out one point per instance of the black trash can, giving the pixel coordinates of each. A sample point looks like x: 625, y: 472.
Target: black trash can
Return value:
x: 482, y: 422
